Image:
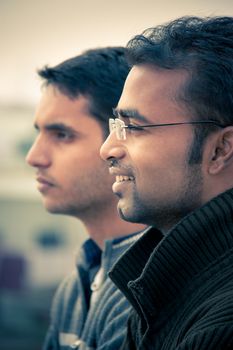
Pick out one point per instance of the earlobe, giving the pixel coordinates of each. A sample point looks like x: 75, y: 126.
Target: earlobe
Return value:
x: 222, y: 154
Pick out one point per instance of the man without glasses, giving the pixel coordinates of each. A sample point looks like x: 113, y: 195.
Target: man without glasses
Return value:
x: 72, y: 120
x: 171, y: 151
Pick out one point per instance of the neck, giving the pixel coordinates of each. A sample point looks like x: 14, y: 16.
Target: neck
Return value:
x: 107, y: 224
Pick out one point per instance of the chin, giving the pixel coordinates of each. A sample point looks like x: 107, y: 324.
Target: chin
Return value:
x: 133, y: 211
x: 51, y: 208
x: 125, y: 215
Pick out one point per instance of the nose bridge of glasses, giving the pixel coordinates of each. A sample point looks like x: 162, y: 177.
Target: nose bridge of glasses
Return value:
x: 119, y: 126
x: 112, y: 124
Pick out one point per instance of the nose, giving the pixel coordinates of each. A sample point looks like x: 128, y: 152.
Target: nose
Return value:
x: 112, y: 148
x: 37, y: 155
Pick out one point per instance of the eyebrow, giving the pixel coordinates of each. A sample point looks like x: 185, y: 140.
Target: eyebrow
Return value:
x: 129, y: 113
x: 56, y: 127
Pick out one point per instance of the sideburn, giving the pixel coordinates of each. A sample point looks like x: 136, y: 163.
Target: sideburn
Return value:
x: 200, y: 134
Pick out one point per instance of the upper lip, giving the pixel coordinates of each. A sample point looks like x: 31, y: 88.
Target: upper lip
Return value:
x: 118, y: 172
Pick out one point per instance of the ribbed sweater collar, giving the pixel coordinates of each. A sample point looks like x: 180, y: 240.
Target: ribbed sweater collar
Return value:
x: 158, y: 268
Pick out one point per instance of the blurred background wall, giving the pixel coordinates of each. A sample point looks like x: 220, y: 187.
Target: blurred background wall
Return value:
x: 36, y: 248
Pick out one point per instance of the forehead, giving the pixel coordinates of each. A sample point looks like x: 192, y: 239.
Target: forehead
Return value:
x: 154, y: 92
x: 54, y: 100
x: 56, y: 107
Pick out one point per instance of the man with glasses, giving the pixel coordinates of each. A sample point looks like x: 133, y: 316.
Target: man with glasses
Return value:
x: 71, y: 119
x: 171, y: 150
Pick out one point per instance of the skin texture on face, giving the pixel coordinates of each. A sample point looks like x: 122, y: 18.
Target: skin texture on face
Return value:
x: 71, y: 176
x: 158, y: 186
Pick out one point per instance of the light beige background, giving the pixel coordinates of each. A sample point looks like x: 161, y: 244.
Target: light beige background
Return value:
x: 33, y: 33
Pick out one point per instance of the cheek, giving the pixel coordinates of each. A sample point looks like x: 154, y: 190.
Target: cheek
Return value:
x: 159, y: 171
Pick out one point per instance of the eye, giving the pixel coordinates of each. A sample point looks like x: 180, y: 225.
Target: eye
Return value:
x: 63, y: 135
x: 133, y: 127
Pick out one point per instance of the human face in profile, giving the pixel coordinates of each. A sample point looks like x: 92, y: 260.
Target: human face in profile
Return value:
x: 154, y: 181
x: 71, y: 176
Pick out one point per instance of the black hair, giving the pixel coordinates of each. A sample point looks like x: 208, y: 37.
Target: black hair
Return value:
x: 204, y: 48
x: 98, y: 74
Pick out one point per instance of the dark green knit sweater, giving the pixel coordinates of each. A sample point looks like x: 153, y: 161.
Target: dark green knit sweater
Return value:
x: 181, y: 285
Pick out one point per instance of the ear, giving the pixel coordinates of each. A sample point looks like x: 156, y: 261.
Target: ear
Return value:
x: 222, y: 151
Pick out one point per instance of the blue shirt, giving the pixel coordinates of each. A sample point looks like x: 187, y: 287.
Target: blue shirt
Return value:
x: 88, y: 311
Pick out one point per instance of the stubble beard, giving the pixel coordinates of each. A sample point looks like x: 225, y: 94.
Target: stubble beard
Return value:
x: 166, y: 213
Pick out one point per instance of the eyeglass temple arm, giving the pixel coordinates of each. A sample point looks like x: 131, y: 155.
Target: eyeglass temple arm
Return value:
x: 178, y: 123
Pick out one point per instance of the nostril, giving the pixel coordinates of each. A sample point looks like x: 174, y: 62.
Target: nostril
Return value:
x: 112, y: 162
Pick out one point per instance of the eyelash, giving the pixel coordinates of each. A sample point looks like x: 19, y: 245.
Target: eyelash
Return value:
x: 64, y: 135
x: 132, y: 127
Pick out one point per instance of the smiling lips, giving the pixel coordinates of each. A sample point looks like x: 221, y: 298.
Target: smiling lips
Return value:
x: 122, y: 178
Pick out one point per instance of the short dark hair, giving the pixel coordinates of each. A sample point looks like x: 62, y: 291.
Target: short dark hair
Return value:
x: 98, y: 74
x: 204, y: 48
